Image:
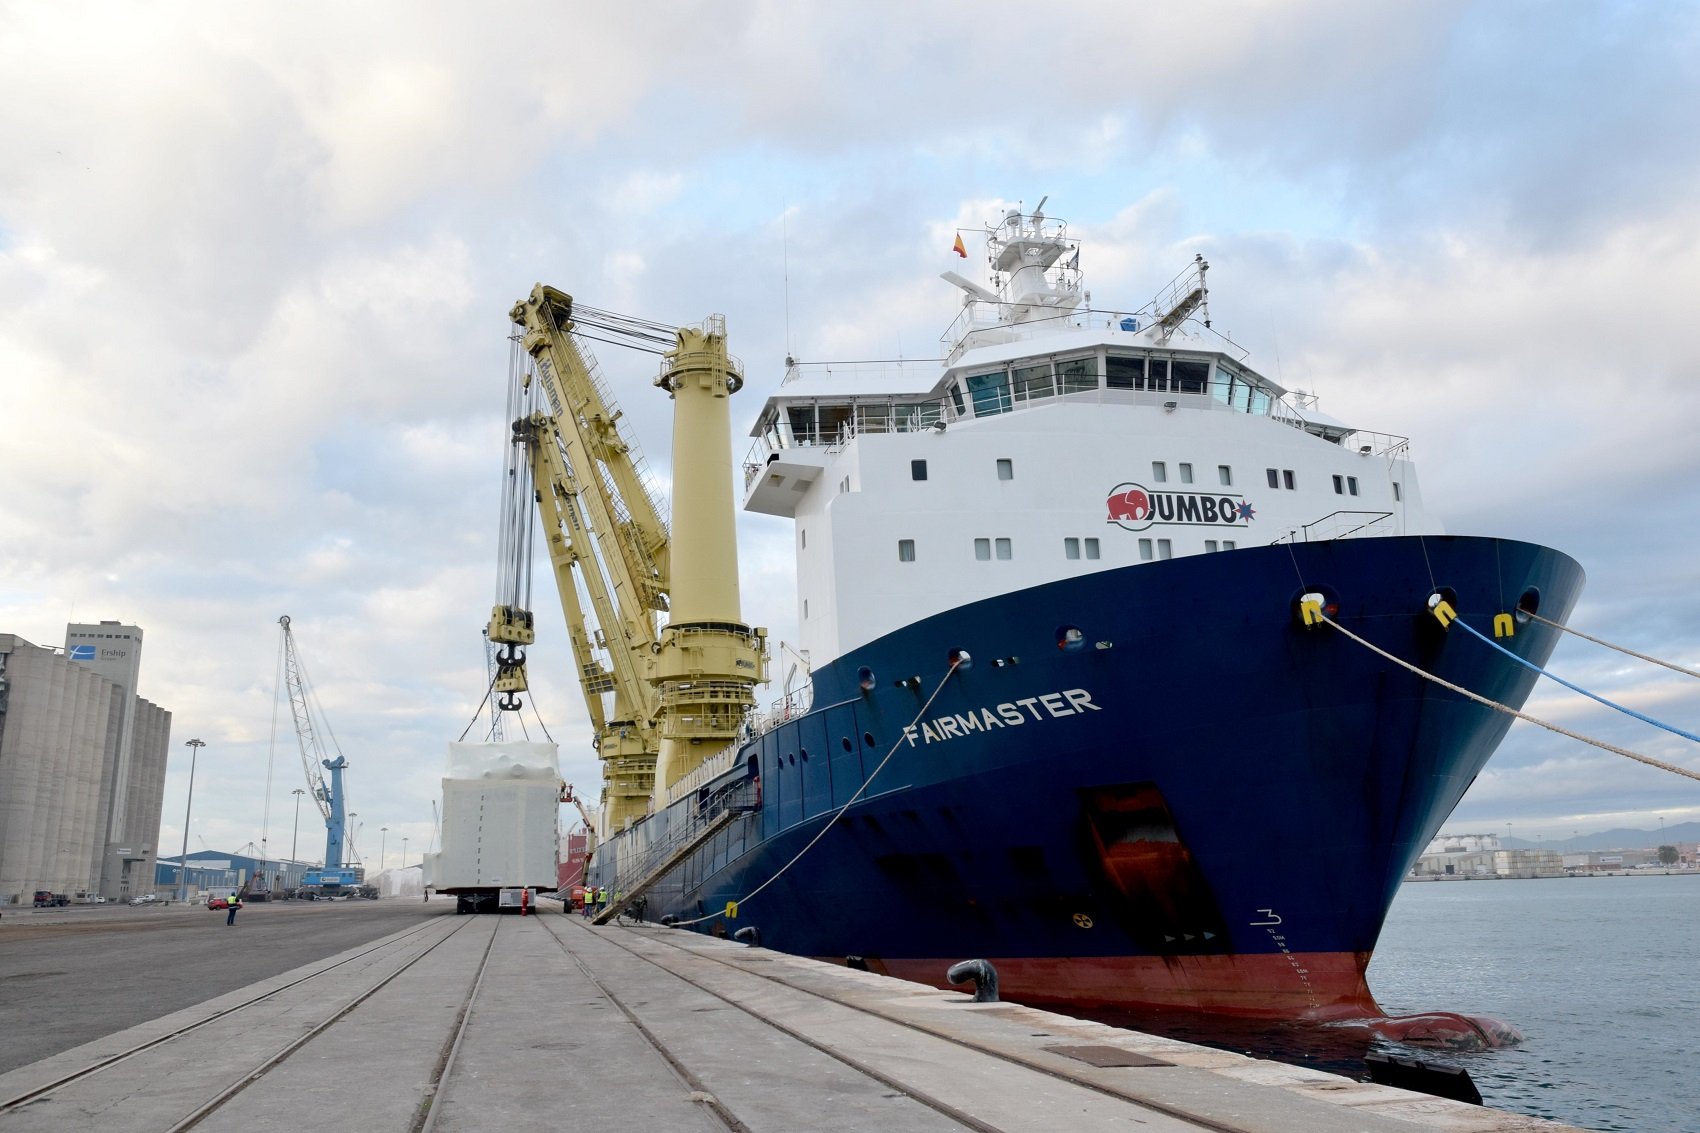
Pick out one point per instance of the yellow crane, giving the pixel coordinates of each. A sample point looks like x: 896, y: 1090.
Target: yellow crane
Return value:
x: 657, y: 695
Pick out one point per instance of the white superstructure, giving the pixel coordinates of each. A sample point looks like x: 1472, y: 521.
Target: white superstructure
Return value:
x: 1057, y: 440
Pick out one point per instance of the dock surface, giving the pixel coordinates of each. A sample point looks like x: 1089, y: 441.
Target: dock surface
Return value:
x: 546, y: 1022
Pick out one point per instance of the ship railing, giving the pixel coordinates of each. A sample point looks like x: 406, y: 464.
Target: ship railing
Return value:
x: 793, y: 704
x: 687, y: 829
x: 982, y: 323
x: 1341, y: 525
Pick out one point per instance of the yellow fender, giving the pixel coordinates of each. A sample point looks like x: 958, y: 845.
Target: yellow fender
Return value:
x: 1311, y: 609
x: 1443, y: 612
x: 1504, y: 625
x: 731, y: 910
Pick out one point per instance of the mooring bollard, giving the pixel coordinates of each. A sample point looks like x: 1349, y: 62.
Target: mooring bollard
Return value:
x: 750, y: 935
x: 985, y: 978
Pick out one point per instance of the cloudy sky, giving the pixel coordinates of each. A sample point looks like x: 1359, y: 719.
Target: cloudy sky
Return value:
x: 256, y: 261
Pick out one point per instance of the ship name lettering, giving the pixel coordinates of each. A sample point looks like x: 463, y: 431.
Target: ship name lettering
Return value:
x: 1046, y: 706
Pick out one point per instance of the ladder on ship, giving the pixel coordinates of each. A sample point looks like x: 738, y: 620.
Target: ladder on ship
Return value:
x: 709, y: 818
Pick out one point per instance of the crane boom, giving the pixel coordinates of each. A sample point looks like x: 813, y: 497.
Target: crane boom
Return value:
x: 679, y: 693
x: 328, y: 797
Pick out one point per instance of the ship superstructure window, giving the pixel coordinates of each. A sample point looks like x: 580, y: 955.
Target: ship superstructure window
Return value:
x: 1209, y: 546
x: 1156, y: 375
x: 1274, y: 477
x: 983, y: 550
x: 917, y: 470
x: 1033, y: 382
x: 1002, y: 546
x: 1145, y: 548
x: 1006, y: 468
x: 1186, y: 473
x: 1075, y: 375
x: 802, y: 538
x: 1091, y: 548
x: 1164, y: 549
x: 1287, y: 480
x: 1188, y: 377
x: 1396, y: 496
x: 1159, y: 471
x: 1071, y: 548
x: 1228, y: 544
x: 1283, y: 478
x: 989, y: 393
x: 906, y: 550
x: 1339, y: 485
x: 1121, y: 372
x: 1225, y: 475
x: 1351, y: 485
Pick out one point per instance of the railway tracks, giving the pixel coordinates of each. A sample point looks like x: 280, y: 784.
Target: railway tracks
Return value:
x: 542, y: 1022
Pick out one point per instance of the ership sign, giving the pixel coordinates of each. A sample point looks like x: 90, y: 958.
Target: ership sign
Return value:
x: 1135, y: 507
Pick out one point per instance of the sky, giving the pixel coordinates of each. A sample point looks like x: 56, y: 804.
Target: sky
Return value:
x: 256, y: 263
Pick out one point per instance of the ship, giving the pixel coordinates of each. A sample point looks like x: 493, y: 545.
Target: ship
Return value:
x: 1120, y: 667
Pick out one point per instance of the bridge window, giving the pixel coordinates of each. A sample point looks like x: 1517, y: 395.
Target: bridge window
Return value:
x: 989, y: 392
x: 1077, y: 374
x: 906, y: 550
x: 1156, y: 375
x: 1188, y: 377
x: 1124, y: 373
x: 1033, y: 382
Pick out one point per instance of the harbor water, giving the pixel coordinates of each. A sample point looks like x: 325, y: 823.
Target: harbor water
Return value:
x: 1597, y: 972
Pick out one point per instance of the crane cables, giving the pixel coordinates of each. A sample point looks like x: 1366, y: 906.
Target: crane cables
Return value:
x: 1323, y: 617
x: 629, y: 331
x: 514, y: 538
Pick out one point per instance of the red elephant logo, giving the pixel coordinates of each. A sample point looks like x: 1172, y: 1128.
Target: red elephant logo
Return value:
x: 1130, y: 504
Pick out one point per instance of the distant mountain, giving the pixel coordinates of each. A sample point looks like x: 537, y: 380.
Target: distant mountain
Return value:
x: 1621, y: 838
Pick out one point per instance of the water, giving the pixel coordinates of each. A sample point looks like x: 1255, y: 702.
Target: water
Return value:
x: 1599, y: 974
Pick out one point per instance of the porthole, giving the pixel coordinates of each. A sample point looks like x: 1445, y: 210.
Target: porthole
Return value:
x: 804, y: 752
x: 791, y: 758
x: 868, y: 738
x: 1070, y: 639
x: 848, y: 746
x: 865, y: 678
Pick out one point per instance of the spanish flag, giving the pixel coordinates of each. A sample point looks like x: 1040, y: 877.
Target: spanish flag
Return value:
x: 960, y: 250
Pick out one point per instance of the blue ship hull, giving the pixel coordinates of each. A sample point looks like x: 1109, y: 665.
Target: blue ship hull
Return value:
x: 1202, y: 804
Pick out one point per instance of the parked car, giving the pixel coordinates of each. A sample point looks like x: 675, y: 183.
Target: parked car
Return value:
x: 45, y: 898
x: 143, y: 899
x: 218, y: 902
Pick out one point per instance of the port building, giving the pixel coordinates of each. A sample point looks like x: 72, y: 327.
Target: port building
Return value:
x: 82, y: 766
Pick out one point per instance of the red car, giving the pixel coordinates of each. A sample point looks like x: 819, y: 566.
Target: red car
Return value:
x: 218, y: 903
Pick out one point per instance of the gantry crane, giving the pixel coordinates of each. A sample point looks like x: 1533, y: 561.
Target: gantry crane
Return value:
x: 655, y: 695
x: 333, y: 876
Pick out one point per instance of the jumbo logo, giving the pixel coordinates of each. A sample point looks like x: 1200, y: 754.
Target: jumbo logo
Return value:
x: 1135, y: 507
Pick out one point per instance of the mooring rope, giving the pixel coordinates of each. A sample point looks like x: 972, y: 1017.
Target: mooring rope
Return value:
x: 1527, y: 664
x: 1506, y: 708
x: 860, y: 791
x: 1608, y: 644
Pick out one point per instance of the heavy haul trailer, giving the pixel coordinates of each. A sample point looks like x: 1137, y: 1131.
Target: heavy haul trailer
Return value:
x: 501, y: 827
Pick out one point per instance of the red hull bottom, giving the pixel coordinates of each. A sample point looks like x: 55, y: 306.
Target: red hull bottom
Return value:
x: 1316, y: 987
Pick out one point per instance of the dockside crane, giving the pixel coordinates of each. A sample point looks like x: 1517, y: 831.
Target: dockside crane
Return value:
x: 330, y: 879
x: 659, y: 696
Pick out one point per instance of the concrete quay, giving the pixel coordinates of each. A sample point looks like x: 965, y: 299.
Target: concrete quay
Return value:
x: 546, y: 1022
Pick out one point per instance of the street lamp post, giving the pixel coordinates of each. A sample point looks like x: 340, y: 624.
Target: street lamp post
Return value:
x: 194, y: 747
x: 383, y: 835
x: 297, y: 836
x: 404, y: 852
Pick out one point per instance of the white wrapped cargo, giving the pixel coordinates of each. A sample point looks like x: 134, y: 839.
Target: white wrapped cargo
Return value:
x: 501, y: 822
